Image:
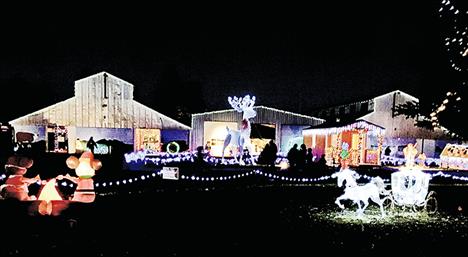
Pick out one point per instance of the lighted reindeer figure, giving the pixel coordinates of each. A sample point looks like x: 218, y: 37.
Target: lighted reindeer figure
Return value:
x: 241, y: 138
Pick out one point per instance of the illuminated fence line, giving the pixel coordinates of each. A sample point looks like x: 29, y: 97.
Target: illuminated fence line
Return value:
x: 454, y: 177
x: 145, y: 157
x: 155, y: 175
x: 242, y: 175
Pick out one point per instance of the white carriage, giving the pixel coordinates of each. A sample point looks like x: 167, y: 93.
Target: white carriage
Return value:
x: 410, y: 190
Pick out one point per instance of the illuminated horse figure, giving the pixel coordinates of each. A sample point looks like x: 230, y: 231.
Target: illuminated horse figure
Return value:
x: 347, y: 175
x: 358, y: 194
x: 241, y: 138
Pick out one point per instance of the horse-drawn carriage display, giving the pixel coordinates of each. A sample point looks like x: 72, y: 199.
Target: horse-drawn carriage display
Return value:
x: 409, y: 189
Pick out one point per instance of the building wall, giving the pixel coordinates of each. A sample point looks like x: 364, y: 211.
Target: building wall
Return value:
x: 265, y: 115
x: 396, y: 126
x: 103, y: 101
x: 100, y: 101
x: 124, y: 135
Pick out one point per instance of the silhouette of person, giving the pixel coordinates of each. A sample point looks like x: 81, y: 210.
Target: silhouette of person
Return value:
x: 292, y: 155
x: 388, y: 151
x: 309, y: 157
x: 263, y: 158
x: 272, y: 152
x: 322, y: 163
x: 91, y: 144
x: 200, y: 157
x: 301, y: 156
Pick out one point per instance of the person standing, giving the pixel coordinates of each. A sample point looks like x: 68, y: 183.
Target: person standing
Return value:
x: 273, y: 151
x: 91, y: 144
x: 292, y: 156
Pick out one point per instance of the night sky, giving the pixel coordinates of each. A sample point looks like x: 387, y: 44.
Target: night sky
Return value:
x: 297, y: 61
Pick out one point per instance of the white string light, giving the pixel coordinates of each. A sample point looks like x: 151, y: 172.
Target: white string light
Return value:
x: 456, y: 43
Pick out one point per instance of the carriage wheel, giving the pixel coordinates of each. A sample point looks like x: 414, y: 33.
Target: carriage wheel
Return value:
x: 419, y: 208
x: 431, y: 205
x: 388, y: 203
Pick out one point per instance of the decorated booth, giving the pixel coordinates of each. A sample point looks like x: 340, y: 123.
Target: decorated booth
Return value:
x: 454, y: 157
x: 364, y: 140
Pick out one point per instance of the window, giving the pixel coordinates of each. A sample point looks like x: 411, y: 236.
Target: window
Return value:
x: 364, y: 107
x: 342, y: 111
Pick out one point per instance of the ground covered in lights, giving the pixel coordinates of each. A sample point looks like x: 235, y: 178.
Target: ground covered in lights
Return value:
x: 276, y: 219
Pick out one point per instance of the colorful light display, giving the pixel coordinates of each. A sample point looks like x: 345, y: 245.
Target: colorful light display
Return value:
x: 85, y: 168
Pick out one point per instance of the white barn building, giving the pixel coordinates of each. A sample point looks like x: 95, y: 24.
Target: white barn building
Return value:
x: 378, y: 111
x: 103, y: 107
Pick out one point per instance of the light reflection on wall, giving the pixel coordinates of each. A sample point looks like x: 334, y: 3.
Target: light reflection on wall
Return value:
x: 214, y: 135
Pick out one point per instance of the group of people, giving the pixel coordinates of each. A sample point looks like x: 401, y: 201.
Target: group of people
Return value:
x: 303, y: 157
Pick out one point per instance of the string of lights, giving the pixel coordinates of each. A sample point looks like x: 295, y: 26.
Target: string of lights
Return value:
x: 456, y: 43
x: 141, y: 157
x: 445, y: 175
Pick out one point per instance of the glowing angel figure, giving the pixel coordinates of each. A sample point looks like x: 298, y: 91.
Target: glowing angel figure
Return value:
x: 241, y: 138
x: 410, y: 153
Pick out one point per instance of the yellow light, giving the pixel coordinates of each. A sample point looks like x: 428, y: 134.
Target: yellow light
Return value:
x: 284, y: 165
x: 49, y: 192
x: 458, y: 98
x: 433, y: 114
x: 441, y: 108
x: 445, y: 101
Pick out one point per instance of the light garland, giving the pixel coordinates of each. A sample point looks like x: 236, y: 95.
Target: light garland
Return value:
x: 142, y: 157
x: 168, y: 147
x: 360, y: 124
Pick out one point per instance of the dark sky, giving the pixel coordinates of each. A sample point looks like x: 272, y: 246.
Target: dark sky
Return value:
x: 294, y: 60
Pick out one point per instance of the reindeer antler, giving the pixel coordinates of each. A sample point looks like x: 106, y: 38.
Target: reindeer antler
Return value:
x: 241, y: 103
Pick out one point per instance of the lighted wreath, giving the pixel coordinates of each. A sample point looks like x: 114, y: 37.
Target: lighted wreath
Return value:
x: 171, y: 146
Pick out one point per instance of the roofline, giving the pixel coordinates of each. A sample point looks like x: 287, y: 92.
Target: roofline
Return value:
x: 167, y: 117
x: 41, y: 110
x: 264, y: 107
x: 366, y: 100
x: 398, y: 91
x: 101, y: 73
x: 337, y: 129
x: 59, y: 103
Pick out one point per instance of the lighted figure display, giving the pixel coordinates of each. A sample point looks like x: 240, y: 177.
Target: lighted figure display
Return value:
x: 344, y: 156
x: 361, y: 194
x: 358, y: 194
x: 85, y: 168
x: 410, y: 153
x: 241, y: 138
x: 410, y: 184
x: 48, y: 194
x: 346, y: 176
x: 16, y: 186
x: 454, y: 157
